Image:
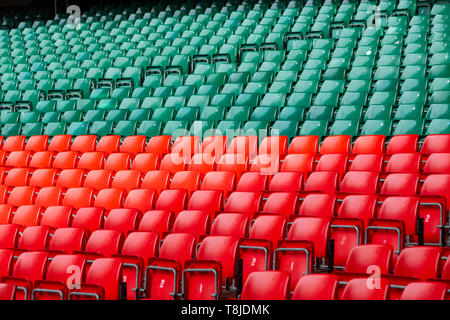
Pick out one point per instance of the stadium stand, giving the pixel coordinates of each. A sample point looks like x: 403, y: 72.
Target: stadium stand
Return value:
x: 287, y: 150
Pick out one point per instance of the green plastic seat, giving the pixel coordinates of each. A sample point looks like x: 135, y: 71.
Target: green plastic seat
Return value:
x: 32, y: 129
x: 163, y: 114
x: 287, y: 128
x: 291, y: 114
x: 378, y: 112
x: 320, y: 113
x: 51, y: 117
x: 46, y: 106
x: 125, y: 128
x: 55, y: 128
x: 238, y: 113
x: 354, y: 98
x: 267, y: 114
x: 409, y: 127
x: 255, y: 128
x: 385, y: 98
x: 94, y: 115
x: 345, y: 127
x: 152, y: 102
x: 71, y: 116
x: 29, y: 117
x: 78, y: 128
x: 349, y: 113
x: 440, y: 97
x: 314, y: 127
x: 213, y: 113
x: 139, y: 114
x: 229, y: 128
x: 149, y: 128
x: 175, y: 128
x: 438, y: 126
x: 188, y: 114
x: 7, y: 116
x: 438, y: 111
x: 116, y: 115
x: 406, y: 111
x: 377, y: 127
x: 101, y: 128
x: 201, y: 128
x: 326, y: 99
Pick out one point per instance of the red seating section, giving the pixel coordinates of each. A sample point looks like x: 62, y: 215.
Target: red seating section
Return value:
x: 160, y: 216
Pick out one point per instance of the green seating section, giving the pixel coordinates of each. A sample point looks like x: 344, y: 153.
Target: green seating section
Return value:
x: 289, y: 68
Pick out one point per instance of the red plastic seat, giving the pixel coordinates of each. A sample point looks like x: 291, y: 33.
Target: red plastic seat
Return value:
x: 247, y: 203
x: 118, y: 161
x: 215, y: 252
x: 256, y: 250
x: 275, y: 146
x: 49, y: 196
x: 266, y: 285
x: 55, y: 285
x: 307, y: 238
x: 336, y: 144
x: 91, y: 160
x: 174, y: 162
x: 7, y: 291
x: 89, y: 219
x: 108, y: 144
x: 171, y: 200
x: 145, y: 162
x: 159, y: 145
x: 163, y: 277
x: 406, y: 143
x: 282, y: 203
x: 70, y: 178
x: 362, y: 257
x: 196, y: 222
x: 406, y: 184
x: 232, y: 224
x: 237, y: 163
x: 34, y: 238
x: 6, y: 259
x: 361, y: 182
x: 435, y: 204
x: 304, y: 144
x: 29, y: 268
x: 14, y: 143
x: 84, y: 143
x: 98, y: 179
x: 244, y: 145
x: 316, y: 287
x: 141, y: 199
x: 298, y: 163
x: 109, y: 199
x: 202, y: 163
x: 137, y: 249
x: 79, y: 197
x: 28, y: 215
x: 67, y: 240
x: 42, y: 159
x: 185, y: 146
x: 404, y: 163
x: 206, y: 200
x: 21, y: 196
x: 60, y: 143
x: 333, y: 162
x: 437, y: 163
x: 57, y: 217
x: 9, y: 234
x: 133, y: 145
x: 322, y: 181
x: 65, y: 160
x: 157, y: 180
x: 18, y: 159
x: 252, y: 182
x: 186, y: 180
x: 215, y: 146
x: 357, y: 289
x: 122, y: 220
x: 367, y: 162
x: 435, y: 143
x: 424, y: 291
x: 43, y: 178
x: 103, y: 243
x: 318, y: 205
x: 286, y: 182
x: 102, y: 281
x: 369, y: 144
x: 219, y: 180
x: 266, y: 164
x: 126, y: 180
x: 159, y: 221
x: 418, y: 262
x: 18, y: 177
